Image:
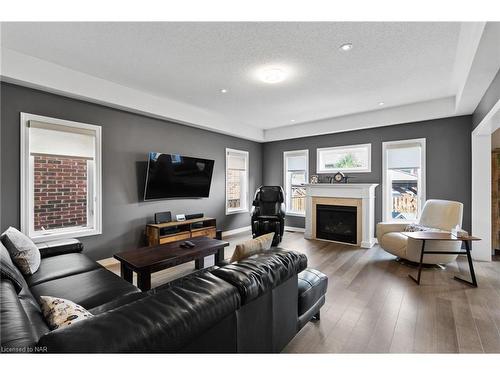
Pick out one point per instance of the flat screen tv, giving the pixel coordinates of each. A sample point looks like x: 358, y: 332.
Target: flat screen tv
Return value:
x: 176, y: 176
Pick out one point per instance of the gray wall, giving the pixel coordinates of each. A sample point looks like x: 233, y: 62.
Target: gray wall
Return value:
x: 448, y: 146
x: 490, y: 98
x: 126, y: 139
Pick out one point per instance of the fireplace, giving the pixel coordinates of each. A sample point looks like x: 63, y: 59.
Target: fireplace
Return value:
x: 337, y: 223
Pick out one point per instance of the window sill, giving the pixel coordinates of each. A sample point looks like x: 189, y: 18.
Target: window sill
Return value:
x: 243, y: 210
x: 297, y: 214
x: 36, y: 238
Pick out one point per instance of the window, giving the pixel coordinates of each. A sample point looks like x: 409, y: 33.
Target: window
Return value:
x: 403, y: 179
x: 296, y: 165
x: 356, y: 158
x: 60, y: 178
x: 237, y: 184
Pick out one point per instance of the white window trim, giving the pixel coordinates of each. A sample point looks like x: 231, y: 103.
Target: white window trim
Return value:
x: 27, y: 183
x: 386, y: 191
x: 247, y: 159
x: 368, y: 169
x: 285, y: 155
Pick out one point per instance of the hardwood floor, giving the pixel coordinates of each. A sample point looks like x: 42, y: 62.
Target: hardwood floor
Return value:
x: 372, y: 306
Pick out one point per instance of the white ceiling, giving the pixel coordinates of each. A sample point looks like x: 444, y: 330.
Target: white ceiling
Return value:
x: 400, y: 64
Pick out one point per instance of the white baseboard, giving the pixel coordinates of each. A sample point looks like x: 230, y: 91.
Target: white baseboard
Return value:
x: 236, y: 231
x: 295, y: 229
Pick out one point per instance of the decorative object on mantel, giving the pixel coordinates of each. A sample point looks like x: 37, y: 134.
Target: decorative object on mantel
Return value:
x: 314, y: 179
x: 338, y: 177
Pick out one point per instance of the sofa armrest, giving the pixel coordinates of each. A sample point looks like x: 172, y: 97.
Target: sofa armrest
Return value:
x: 58, y: 247
x: 387, y: 227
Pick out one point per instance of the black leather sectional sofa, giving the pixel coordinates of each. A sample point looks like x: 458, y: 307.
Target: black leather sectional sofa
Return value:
x: 249, y: 306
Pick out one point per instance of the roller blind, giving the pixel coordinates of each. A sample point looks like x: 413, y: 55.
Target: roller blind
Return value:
x: 236, y: 161
x: 407, y: 156
x: 60, y: 140
x: 296, y: 163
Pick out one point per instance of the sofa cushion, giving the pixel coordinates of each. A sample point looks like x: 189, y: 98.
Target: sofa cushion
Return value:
x: 312, y: 285
x: 23, y: 251
x: 117, y: 302
x: 260, y: 273
x: 252, y: 246
x: 59, y: 266
x: 88, y: 289
x: 164, y: 321
x: 60, y: 312
x: 16, y: 332
x: 9, y: 271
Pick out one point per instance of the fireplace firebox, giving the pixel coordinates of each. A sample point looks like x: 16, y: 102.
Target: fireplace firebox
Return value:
x: 336, y: 223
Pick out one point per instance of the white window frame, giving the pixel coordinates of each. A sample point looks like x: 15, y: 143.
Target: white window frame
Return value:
x: 368, y: 169
x: 246, y: 154
x: 27, y: 185
x: 285, y: 169
x: 386, y: 189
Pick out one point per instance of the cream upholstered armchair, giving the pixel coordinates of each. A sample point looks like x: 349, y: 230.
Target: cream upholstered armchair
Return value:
x: 441, y: 215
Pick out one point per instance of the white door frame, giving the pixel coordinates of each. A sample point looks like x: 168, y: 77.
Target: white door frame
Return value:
x: 481, y: 183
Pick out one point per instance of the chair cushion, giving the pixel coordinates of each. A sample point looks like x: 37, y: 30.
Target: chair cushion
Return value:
x: 88, y: 289
x: 312, y: 285
x: 59, y: 266
x: 252, y: 246
x: 23, y: 251
x: 260, y: 273
x: 394, y: 243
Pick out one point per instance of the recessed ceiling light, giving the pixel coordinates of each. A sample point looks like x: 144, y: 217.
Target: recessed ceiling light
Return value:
x: 346, y: 47
x: 272, y: 75
x: 381, y: 103
x: 223, y: 91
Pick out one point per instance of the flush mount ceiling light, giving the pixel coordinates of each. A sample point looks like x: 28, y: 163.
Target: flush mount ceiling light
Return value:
x: 223, y: 91
x: 346, y: 47
x: 272, y: 74
x: 381, y: 103
x: 292, y: 120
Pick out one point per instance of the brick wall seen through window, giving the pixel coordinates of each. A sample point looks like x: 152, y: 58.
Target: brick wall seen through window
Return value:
x: 60, y: 191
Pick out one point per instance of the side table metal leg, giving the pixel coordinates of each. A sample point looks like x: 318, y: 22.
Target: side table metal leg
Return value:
x: 417, y: 280
x: 471, y: 267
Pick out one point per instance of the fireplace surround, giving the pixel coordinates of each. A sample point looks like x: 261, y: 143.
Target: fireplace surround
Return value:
x: 360, y: 196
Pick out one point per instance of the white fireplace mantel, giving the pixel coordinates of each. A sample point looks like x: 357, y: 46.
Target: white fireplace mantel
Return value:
x: 364, y: 192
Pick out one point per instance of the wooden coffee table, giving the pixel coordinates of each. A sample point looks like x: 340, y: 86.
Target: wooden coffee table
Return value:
x: 146, y: 260
x: 444, y: 236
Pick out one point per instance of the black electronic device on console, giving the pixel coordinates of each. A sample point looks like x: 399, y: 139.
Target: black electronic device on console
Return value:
x: 194, y: 216
x: 163, y: 217
x: 187, y: 244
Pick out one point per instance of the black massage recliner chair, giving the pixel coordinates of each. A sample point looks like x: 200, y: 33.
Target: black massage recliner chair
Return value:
x: 268, y: 212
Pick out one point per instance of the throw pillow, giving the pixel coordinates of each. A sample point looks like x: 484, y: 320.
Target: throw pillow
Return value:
x: 22, y: 250
x: 60, y: 312
x: 419, y: 228
x: 253, y: 246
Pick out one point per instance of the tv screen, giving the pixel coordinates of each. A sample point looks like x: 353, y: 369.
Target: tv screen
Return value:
x: 176, y: 176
